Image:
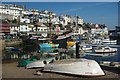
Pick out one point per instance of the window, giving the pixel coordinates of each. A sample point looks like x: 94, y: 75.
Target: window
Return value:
x: 45, y: 29
x: 21, y: 28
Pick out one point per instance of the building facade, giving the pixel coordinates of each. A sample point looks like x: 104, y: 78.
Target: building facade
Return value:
x: 11, y: 9
x: 5, y: 28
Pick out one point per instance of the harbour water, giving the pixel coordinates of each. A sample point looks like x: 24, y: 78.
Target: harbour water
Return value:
x: 115, y: 58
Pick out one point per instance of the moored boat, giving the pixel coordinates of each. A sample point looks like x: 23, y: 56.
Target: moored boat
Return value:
x: 100, y: 55
x: 82, y: 47
x: 108, y: 41
x: 70, y: 43
x: 86, y: 47
x: 48, y: 45
x: 53, y: 53
x: 103, y: 50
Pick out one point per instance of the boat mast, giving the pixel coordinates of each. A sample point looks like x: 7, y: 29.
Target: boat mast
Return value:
x: 50, y: 24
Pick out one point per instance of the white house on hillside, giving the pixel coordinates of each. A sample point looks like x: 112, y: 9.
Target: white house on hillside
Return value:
x: 14, y: 30
x: 11, y: 9
x: 25, y: 28
x: 24, y: 20
x: 99, y: 30
x: 43, y: 29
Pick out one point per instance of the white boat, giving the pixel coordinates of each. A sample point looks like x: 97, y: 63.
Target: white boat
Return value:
x: 108, y: 41
x: 8, y: 48
x: 104, y: 50
x: 82, y: 47
x: 86, y: 47
x: 52, y: 53
x: 82, y: 67
x: 96, y: 41
x: 39, y: 63
x: 100, y: 55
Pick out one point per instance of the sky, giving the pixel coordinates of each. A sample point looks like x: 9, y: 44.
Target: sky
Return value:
x: 93, y: 12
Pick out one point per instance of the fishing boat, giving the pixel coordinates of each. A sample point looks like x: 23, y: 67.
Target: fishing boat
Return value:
x: 70, y: 43
x: 82, y: 67
x: 104, y: 50
x: 48, y: 45
x: 12, y: 49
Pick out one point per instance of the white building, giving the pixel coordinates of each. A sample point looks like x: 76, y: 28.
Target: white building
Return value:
x: 98, y: 30
x: 79, y: 31
x: 24, y: 20
x: 80, y: 21
x: 34, y: 11
x: 14, y: 30
x: 43, y: 20
x: 64, y: 20
x: 26, y: 12
x: 25, y: 28
x: 55, y: 20
x: 43, y: 29
x: 11, y: 9
x: 77, y: 20
x: 46, y: 16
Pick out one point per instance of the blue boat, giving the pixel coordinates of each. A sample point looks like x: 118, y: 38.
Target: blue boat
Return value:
x: 45, y: 47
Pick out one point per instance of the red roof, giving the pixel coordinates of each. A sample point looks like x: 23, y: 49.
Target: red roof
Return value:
x: 5, y: 28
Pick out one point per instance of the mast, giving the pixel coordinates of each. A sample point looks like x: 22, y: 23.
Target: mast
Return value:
x: 50, y: 24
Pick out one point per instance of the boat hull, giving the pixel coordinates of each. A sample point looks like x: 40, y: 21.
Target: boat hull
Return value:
x: 106, y: 52
x: 69, y: 44
x: 82, y: 67
x: 53, y: 53
x: 39, y: 63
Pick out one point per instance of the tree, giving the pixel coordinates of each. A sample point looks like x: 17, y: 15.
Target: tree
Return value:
x: 14, y: 21
x: 30, y: 46
x: 6, y: 20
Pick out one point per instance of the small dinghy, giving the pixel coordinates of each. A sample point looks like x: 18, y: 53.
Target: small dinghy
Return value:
x: 53, y: 53
x: 82, y: 67
x: 39, y: 63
